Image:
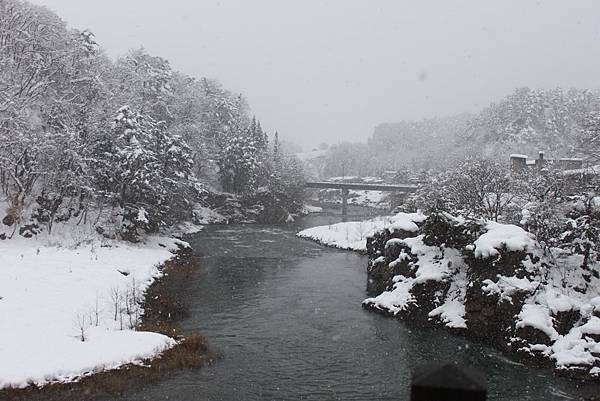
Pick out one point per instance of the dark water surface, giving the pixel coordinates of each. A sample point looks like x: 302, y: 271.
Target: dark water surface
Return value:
x: 286, y: 315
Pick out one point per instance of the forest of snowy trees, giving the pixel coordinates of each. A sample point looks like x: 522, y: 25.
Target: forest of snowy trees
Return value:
x: 556, y: 121
x: 130, y: 142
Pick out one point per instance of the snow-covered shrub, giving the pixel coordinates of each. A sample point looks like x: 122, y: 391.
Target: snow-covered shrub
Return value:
x: 540, y: 203
x: 582, y: 233
x: 546, y: 220
x: 476, y: 188
x: 443, y: 228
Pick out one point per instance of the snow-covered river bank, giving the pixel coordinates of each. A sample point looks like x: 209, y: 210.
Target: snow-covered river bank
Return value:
x: 286, y: 314
x: 68, y: 311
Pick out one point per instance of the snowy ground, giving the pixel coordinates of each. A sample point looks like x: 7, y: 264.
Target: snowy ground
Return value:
x: 308, y: 209
x: 66, y: 312
x: 369, y: 198
x: 353, y: 235
x: 374, y: 199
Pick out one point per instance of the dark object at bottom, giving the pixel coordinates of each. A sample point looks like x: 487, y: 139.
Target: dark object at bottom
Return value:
x: 447, y: 382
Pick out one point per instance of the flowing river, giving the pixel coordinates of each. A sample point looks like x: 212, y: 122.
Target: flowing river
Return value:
x: 286, y: 315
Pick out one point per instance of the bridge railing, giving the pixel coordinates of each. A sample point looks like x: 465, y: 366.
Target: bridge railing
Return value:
x: 361, y: 186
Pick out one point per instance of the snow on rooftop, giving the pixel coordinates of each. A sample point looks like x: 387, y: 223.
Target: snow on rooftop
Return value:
x: 518, y: 156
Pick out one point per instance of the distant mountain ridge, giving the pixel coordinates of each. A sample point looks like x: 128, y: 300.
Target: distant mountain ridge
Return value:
x: 526, y: 121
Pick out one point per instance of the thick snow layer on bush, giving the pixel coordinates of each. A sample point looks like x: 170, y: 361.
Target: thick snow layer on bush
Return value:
x: 506, y: 287
x: 577, y: 348
x: 498, y: 236
x: 49, y: 295
x: 353, y: 235
x: 592, y: 326
x: 406, y: 222
x: 432, y: 265
x: 538, y: 317
x: 452, y: 313
x: 573, y: 350
x: 396, y: 300
x: 557, y: 301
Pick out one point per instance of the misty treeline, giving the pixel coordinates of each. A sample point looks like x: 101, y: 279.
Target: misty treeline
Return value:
x: 463, y: 165
x: 559, y: 122
x: 83, y: 137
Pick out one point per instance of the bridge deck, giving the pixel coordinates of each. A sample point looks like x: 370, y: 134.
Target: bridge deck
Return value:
x: 363, y: 187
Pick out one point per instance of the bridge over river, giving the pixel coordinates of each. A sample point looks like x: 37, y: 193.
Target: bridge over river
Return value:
x: 345, y: 187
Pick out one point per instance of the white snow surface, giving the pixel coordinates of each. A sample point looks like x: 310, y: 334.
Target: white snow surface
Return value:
x: 307, y: 209
x: 353, y: 235
x: 506, y: 287
x: 452, y: 313
x: 185, y: 228
x: 398, y: 299
x: 575, y: 348
x: 499, y: 235
x: 373, y: 199
x: 47, y: 292
x: 538, y: 317
x: 205, y: 215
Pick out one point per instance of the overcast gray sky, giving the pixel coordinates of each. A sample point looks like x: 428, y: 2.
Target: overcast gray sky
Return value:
x: 332, y: 70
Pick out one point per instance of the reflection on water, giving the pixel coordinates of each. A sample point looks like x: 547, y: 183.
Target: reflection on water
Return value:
x: 286, y: 315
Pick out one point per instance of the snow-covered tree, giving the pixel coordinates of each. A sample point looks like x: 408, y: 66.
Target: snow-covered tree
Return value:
x: 146, y: 171
x: 474, y: 188
x: 589, y: 136
x: 240, y: 161
x: 582, y: 233
x: 63, y: 153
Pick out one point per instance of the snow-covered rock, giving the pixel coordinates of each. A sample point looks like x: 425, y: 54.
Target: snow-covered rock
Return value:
x: 353, y: 235
x: 492, y: 281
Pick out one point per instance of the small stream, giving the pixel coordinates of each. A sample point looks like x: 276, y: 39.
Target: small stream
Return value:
x: 286, y: 315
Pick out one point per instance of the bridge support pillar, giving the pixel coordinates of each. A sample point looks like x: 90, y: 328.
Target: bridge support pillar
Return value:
x: 345, y: 192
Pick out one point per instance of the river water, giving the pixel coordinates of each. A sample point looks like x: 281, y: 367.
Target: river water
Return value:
x: 286, y: 315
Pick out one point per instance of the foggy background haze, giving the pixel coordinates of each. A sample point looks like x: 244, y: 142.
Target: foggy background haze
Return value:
x: 327, y: 71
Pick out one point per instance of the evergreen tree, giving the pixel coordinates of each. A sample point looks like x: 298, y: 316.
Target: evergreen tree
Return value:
x: 148, y: 173
x: 277, y: 152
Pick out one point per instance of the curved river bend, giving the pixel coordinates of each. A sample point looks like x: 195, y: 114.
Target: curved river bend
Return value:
x: 286, y: 315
